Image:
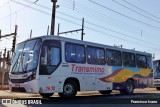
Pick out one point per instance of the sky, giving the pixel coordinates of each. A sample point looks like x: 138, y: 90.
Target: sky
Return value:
x: 135, y: 24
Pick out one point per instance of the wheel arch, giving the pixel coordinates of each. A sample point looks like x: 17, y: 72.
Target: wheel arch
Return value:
x: 75, y: 80
x: 131, y: 79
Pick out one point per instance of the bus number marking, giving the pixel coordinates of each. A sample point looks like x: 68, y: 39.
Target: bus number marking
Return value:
x: 50, y: 88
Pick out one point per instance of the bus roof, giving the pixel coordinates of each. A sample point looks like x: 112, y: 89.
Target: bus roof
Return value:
x: 53, y: 37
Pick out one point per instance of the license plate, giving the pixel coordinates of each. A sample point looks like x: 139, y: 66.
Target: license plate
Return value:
x: 17, y: 85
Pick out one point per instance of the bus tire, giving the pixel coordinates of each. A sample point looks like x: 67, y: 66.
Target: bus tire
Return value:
x: 129, y: 88
x: 70, y: 89
x: 106, y: 92
x: 158, y: 88
x: 46, y: 95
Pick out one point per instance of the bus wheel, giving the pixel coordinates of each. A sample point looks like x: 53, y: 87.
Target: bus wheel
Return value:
x: 106, y: 92
x: 46, y: 95
x: 129, y: 88
x: 69, y: 89
x: 158, y: 88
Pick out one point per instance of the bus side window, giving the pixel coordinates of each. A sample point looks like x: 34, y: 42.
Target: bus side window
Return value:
x: 128, y: 59
x: 75, y: 53
x: 96, y: 56
x: 113, y: 57
x: 141, y: 61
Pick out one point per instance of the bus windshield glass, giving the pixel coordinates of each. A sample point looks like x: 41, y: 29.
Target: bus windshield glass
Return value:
x: 156, y: 67
x: 26, y: 56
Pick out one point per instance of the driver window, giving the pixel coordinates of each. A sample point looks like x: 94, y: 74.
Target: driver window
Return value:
x: 50, y: 57
x: 44, y: 56
x: 54, y: 56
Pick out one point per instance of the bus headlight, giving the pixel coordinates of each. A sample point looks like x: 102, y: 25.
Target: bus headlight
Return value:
x: 32, y: 77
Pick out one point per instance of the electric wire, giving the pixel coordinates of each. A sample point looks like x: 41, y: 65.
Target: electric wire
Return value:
x: 102, y: 27
x: 134, y: 11
x: 94, y: 13
x: 146, y: 46
x: 158, y: 28
x: 141, y: 9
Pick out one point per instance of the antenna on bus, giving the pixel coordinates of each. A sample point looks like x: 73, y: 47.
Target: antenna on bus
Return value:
x: 133, y: 49
x: 118, y: 46
x: 48, y: 30
x: 153, y: 56
x: 58, y: 29
x: 30, y: 34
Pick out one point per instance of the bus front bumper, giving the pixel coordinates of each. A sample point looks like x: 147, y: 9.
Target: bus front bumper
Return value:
x: 28, y: 87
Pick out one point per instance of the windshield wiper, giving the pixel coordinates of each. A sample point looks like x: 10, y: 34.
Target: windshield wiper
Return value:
x: 15, y: 64
x: 13, y: 57
x: 29, y: 56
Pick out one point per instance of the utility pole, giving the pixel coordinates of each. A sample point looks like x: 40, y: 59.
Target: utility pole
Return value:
x: 82, y: 30
x: 14, y: 39
x: 53, y: 16
x: 6, y: 35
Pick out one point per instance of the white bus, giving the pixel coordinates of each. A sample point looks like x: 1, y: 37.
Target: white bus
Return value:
x: 53, y: 64
x: 156, y: 70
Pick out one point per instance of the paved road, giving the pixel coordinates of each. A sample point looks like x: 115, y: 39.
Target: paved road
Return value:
x: 94, y: 99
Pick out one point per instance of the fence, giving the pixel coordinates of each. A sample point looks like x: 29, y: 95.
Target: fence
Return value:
x: 4, y: 72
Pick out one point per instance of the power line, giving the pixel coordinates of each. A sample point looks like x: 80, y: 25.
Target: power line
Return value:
x: 158, y: 28
x: 102, y: 27
x: 50, y: 14
x: 14, y: 12
x: 36, y: 1
x: 100, y: 17
x: 88, y: 13
x: 90, y: 28
x: 4, y: 4
x: 87, y: 27
x: 141, y: 9
x: 48, y: 8
x: 10, y: 17
x: 135, y: 11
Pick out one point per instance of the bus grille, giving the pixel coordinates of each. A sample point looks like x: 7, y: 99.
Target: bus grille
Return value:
x: 157, y: 85
x: 18, y: 80
x: 18, y: 89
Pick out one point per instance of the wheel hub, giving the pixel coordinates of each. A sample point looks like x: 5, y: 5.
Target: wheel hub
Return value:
x: 68, y: 89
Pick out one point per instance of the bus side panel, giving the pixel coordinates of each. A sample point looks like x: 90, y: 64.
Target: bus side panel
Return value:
x: 51, y: 84
x: 143, y: 82
x: 142, y: 77
x: 87, y: 75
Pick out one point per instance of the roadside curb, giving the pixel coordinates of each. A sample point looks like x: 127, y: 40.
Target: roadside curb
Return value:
x: 6, y: 94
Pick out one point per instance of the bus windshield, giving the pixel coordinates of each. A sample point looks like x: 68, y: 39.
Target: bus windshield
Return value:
x: 26, y: 56
x: 156, y: 65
